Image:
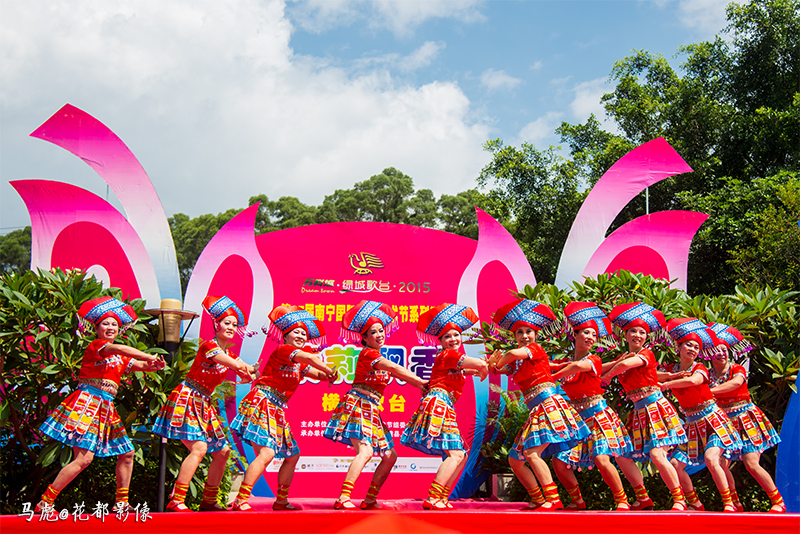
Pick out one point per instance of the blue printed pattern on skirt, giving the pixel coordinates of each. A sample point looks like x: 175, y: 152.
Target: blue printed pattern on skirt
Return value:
x: 653, y: 423
x: 433, y: 428
x: 88, y: 419
x: 707, y: 429
x: 755, y: 430
x: 190, y: 415
x: 608, y: 437
x: 358, y: 417
x: 553, y: 421
x: 261, y: 420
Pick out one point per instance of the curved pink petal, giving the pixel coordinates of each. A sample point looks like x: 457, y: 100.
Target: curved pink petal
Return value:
x: 84, y: 136
x: 636, y: 170
x: 495, y: 244
x: 231, y: 265
x: 656, y: 244
x: 498, y: 262
x: 73, y: 228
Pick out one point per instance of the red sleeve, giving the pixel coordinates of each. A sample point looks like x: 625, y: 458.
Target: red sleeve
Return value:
x: 209, y: 349
x: 597, y: 364
x: 648, y: 357
x: 372, y: 357
x: 537, y: 352
x: 98, y: 344
x: 452, y: 359
x: 701, y: 369
x: 285, y: 353
x: 737, y: 369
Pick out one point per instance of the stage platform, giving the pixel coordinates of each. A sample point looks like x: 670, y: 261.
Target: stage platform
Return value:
x: 469, y: 516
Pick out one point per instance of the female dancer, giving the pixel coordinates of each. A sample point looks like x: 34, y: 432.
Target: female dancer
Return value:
x: 729, y: 381
x: 711, y: 432
x: 581, y: 382
x: 433, y: 428
x: 653, y: 425
x: 356, y: 420
x: 189, y: 414
x: 553, y: 425
x: 87, y: 419
x: 261, y: 419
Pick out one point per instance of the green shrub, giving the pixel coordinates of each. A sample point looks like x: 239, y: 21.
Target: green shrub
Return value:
x: 768, y: 317
x: 40, y: 358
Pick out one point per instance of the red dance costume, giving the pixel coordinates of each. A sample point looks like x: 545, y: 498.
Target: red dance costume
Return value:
x: 706, y: 424
x: 754, y: 428
x: 357, y: 416
x: 608, y: 435
x: 261, y: 418
x: 189, y: 413
x: 552, y: 419
x: 432, y: 428
x: 87, y: 418
x: 653, y: 421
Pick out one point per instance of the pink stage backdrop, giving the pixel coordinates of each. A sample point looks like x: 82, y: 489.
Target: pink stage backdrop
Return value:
x: 328, y: 268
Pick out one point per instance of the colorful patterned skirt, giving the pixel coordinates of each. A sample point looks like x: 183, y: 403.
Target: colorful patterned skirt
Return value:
x: 433, y: 428
x: 190, y: 415
x: 552, y: 421
x: 706, y: 428
x: 88, y: 419
x: 653, y: 423
x: 358, y: 417
x: 608, y: 436
x: 261, y: 420
x: 754, y: 428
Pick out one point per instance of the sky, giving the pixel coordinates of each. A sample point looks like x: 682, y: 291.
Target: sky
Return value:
x: 221, y: 101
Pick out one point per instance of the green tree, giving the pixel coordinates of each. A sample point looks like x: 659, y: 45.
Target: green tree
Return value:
x: 732, y: 111
x: 536, y: 194
x: 772, y: 253
x: 457, y: 213
x: 191, y: 236
x: 286, y: 212
x: 15, y: 250
x: 386, y: 197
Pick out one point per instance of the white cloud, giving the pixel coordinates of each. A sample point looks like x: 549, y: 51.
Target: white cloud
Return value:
x: 421, y: 57
x: 537, y: 66
x: 587, y: 98
x: 541, y: 132
x: 586, y: 101
x: 705, y: 16
x: 498, y: 79
x: 399, y: 16
x: 217, y: 107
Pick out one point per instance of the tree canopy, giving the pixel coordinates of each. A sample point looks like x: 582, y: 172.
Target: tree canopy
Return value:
x: 731, y: 109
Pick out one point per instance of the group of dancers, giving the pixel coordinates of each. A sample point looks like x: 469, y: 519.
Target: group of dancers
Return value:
x: 578, y: 429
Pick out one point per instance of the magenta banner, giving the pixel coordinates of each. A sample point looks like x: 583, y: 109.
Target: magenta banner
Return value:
x: 329, y: 267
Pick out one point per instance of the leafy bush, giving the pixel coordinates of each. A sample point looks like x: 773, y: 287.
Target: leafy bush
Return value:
x: 768, y: 317
x: 40, y: 358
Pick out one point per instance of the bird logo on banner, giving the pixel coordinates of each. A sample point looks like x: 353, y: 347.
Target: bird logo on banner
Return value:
x: 365, y: 263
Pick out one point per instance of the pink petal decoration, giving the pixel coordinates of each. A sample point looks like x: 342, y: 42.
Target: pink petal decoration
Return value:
x: 636, y: 170
x: 494, y: 244
x: 231, y: 265
x: 84, y: 136
x: 656, y: 244
x: 499, y: 260
x: 73, y: 228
